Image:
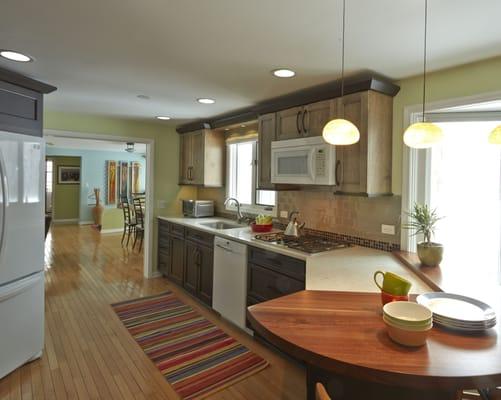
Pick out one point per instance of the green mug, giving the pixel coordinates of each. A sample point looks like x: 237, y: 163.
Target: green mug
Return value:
x: 392, y: 283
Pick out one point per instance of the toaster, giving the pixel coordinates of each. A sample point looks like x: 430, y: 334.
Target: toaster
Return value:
x: 198, y: 208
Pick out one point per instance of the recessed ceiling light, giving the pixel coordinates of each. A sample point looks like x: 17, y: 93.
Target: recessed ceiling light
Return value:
x: 15, y: 56
x: 226, y: 129
x: 206, y: 101
x: 242, y: 126
x: 143, y: 97
x: 163, y: 118
x: 283, y: 73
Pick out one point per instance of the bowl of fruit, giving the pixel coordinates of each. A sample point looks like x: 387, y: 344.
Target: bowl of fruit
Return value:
x: 263, y: 223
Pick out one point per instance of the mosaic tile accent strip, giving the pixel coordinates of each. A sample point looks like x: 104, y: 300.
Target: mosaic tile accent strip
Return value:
x: 372, y: 244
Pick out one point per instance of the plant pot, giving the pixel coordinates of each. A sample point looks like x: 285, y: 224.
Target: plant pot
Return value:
x: 430, y: 254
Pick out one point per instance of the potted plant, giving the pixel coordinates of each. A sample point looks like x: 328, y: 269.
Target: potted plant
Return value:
x: 423, y: 220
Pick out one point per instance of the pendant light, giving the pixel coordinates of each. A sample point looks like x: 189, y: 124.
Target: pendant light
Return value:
x: 495, y: 136
x: 422, y: 135
x: 341, y: 131
x: 129, y: 147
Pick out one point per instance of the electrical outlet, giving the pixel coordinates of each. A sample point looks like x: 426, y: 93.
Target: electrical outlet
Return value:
x: 388, y: 229
x: 161, y: 204
x: 284, y: 214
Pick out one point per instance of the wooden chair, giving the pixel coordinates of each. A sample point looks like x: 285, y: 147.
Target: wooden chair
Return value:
x: 320, y: 392
x: 129, y: 221
x: 139, y: 228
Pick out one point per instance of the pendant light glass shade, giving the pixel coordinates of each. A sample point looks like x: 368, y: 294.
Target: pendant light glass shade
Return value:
x: 423, y: 135
x: 340, y: 132
x: 495, y: 136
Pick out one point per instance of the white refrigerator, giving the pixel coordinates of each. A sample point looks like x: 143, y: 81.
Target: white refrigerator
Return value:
x: 21, y: 249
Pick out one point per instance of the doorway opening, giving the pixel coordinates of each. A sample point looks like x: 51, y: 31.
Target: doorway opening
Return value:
x: 115, y: 173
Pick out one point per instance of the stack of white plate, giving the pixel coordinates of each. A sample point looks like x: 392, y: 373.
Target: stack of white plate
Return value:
x: 458, y: 312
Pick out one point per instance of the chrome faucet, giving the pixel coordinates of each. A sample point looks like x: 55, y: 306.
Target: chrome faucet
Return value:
x: 240, y: 216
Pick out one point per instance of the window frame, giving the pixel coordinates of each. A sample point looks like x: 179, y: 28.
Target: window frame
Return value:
x: 253, y: 208
x: 416, y: 164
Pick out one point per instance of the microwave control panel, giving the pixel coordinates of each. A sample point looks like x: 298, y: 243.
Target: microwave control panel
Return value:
x: 320, y: 162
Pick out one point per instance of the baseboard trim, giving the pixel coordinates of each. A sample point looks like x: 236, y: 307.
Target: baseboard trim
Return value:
x: 65, y: 221
x: 156, y: 274
x: 85, y: 222
x: 113, y: 230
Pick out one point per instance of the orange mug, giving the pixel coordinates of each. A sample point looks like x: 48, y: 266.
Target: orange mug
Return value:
x: 388, y: 297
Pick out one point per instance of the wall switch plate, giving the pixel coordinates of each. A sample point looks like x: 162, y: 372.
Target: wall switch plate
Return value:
x: 284, y: 214
x: 161, y: 204
x: 388, y: 229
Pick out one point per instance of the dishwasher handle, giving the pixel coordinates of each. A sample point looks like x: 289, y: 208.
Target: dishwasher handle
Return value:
x: 224, y: 248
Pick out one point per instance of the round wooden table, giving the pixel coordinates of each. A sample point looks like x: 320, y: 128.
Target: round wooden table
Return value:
x: 343, y: 341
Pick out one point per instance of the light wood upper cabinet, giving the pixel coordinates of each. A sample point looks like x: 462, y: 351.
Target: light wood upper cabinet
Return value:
x: 315, y: 116
x: 303, y: 121
x: 266, y: 135
x: 202, y: 158
x: 289, y: 123
x: 364, y: 168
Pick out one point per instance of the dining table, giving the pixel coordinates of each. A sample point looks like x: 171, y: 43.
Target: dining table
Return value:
x: 342, y: 340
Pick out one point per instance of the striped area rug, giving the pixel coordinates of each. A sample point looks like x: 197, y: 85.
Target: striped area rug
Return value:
x: 195, y: 356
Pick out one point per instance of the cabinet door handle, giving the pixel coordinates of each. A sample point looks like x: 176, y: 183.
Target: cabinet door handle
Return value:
x: 302, y: 121
x: 189, y: 174
x: 336, y: 172
x: 297, y: 122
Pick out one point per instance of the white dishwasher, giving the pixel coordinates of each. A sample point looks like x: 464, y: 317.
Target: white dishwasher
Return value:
x: 229, y: 295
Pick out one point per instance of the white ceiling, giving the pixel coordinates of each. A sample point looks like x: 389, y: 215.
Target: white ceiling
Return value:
x: 88, y: 144
x: 102, y: 53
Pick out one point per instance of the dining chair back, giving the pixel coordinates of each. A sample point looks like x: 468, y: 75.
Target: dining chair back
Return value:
x: 139, y: 229
x: 320, y: 392
x: 129, y: 221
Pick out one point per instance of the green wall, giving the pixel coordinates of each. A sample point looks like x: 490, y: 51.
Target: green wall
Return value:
x: 465, y: 80
x: 166, y: 156
x: 65, y: 198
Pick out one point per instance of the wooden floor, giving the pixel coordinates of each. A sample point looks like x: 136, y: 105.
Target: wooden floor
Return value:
x: 89, y: 354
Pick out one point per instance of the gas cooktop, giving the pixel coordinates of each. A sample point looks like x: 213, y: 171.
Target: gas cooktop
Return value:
x: 308, y: 243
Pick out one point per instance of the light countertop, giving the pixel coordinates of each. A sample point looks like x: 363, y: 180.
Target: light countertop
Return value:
x: 349, y: 269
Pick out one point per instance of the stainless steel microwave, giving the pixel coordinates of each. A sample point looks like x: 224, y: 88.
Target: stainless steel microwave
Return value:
x: 198, y: 208
x: 305, y: 161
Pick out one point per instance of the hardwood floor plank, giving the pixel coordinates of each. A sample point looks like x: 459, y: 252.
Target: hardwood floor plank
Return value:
x: 89, y: 354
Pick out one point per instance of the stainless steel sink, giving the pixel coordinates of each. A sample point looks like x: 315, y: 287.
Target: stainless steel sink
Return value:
x: 221, y: 225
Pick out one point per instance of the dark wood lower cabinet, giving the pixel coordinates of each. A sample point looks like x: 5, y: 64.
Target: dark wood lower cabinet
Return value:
x: 206, y: 276
x: 176, y: 270
x: 186, y: 257
x: 191, y: 267
x: 271, y: 275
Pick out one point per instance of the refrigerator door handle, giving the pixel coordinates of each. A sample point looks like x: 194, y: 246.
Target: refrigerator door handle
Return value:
x: 5, y: 199
x: 17, y: 287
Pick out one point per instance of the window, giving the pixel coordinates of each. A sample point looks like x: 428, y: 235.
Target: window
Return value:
x: 461, y: 178
x: 242, y: 178
x: 49, y: 173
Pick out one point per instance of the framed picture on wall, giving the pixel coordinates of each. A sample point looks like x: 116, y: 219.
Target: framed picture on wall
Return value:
x: 123, y: 186
x: 111, y: 182
x: 68, y: 175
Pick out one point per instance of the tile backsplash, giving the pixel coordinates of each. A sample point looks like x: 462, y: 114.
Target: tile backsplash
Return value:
x: 348, y: 215
x: 356, y: 216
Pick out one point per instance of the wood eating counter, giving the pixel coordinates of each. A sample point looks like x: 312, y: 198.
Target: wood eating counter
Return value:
x: 342, y: 339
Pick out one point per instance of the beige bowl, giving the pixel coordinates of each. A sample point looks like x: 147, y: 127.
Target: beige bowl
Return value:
x: 407, y: 312
x: 407, y: 337
x: 423, y: 327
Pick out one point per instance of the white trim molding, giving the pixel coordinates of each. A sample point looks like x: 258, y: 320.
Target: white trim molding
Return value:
x: 111, y: 230
x: 65, y: 221
x: 85, y: 222
x: 149, y: 184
